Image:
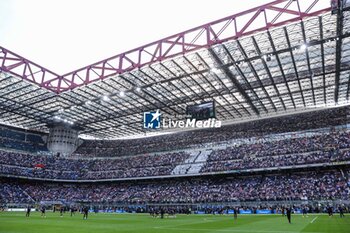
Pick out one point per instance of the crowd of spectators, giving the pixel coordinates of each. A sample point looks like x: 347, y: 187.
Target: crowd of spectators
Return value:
x: 13, y: 193
x: 325, y: 185
x: 277, y: 161
x: 324, y: 148
x: 290, y: 123
x: 319, y: 142
x: 49, y: 167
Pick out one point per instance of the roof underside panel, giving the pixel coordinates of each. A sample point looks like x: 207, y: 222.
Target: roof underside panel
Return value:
x: 284, y: 69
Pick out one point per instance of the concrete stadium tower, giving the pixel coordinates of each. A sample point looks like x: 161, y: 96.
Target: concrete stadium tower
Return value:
x: 63, y: 139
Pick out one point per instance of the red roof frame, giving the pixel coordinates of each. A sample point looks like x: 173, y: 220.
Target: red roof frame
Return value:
x: 204, y: 36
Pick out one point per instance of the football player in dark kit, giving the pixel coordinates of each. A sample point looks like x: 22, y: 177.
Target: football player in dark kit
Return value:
x: 61, y: 211
x: 43, y: 210
x: 341, y: 212
x: 283, y: 211
x: 72, y: 211
x: 28, y: 211
x: 305, y: 212
x: 86, y: 212
x: 162, y: 212
x: 330, y: 211
x: 235, y: 213
x: 289, y: 212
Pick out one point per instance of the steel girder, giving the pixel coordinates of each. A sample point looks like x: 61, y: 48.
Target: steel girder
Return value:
x: 265, y: 17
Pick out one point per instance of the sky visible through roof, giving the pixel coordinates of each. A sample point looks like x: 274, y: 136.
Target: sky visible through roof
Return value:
x: 64, y: 35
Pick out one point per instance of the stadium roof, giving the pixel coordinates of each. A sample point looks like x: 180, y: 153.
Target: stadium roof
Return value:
x: 283, y: 56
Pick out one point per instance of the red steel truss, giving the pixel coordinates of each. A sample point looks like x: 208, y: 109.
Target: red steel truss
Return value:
x: 274, y: 14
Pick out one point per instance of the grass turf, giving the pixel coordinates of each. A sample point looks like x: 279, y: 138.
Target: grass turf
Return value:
x: 16, y: 222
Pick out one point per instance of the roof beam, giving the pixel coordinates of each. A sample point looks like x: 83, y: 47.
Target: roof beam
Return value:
x: 323, y: 59
x: 204, y: 78
x: 164, y: 87
x: 216, y: 76
x: 294, y: 65
x: 233, y: 78
x: 251, y: 67
x: 268, y: 71
x: 13, y: 90
x: 150, y: 95
x: 24, y: 114
x: 179, y: 80
x: 281, y: 67
x: 186, y: 76
x: 338, y: 54
x: 308, y: 61
x: 25, y: 102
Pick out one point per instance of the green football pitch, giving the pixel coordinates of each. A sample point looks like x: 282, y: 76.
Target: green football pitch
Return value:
x: 16, y: 222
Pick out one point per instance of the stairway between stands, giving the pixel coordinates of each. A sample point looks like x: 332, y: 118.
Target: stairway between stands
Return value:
x: 193, y: 164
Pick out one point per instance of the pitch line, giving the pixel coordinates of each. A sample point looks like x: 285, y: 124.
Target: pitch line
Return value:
x: 230, y: 230
x: 313, y: 220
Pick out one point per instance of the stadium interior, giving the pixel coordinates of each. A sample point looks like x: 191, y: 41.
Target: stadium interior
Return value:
x: 278, y: 76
